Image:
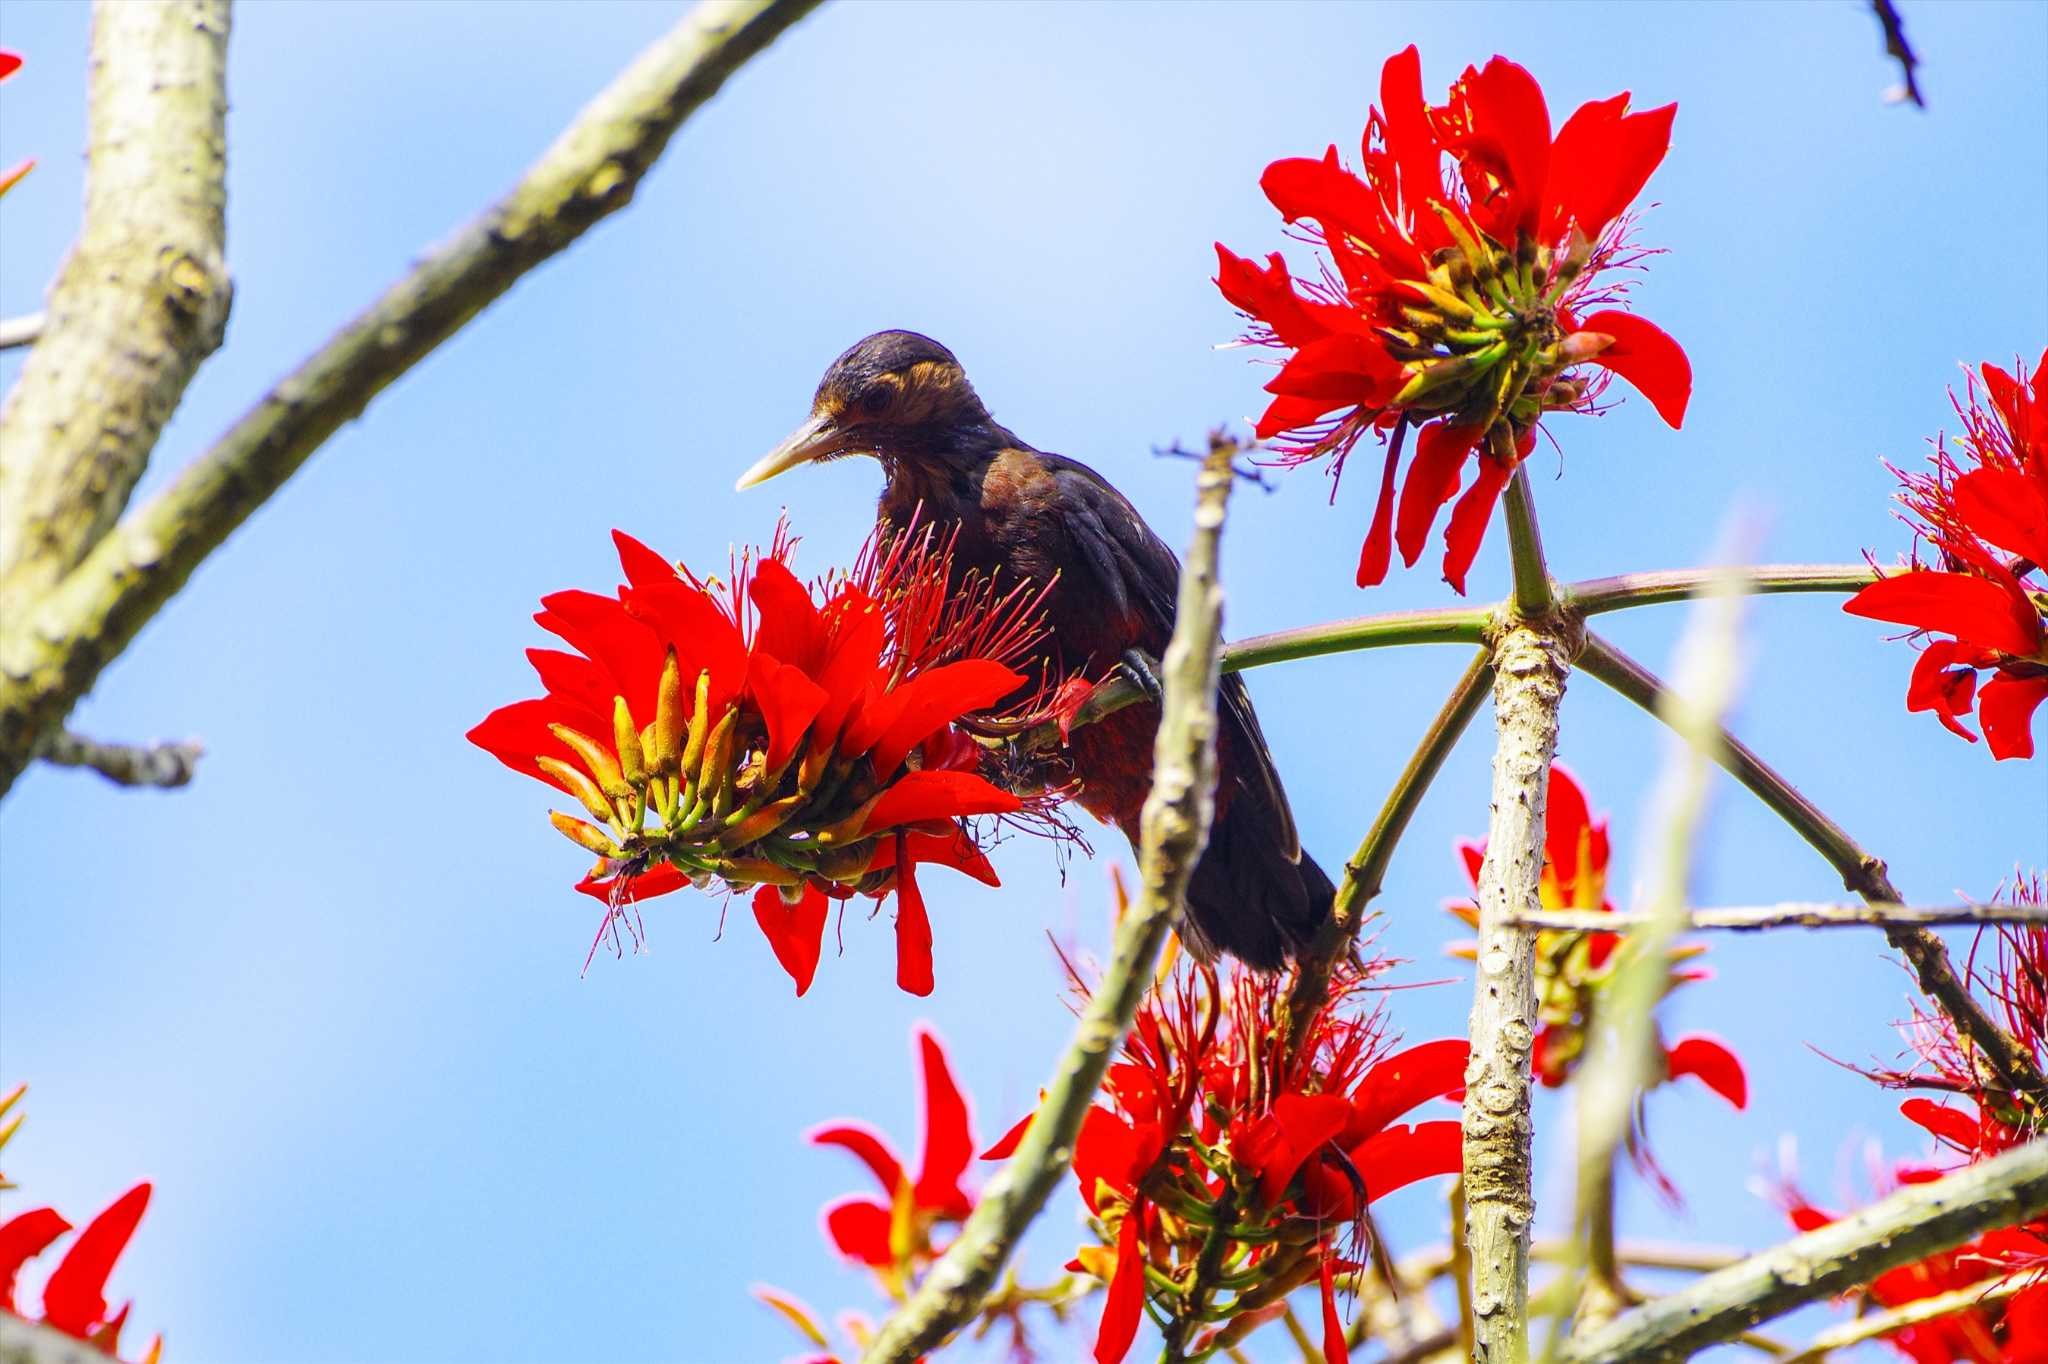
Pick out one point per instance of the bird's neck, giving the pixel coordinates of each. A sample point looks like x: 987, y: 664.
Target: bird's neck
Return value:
x: 940, y: 468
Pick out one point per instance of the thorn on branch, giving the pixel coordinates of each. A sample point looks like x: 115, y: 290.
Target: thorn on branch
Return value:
x: 20, y: 331
x: 160, y: 764
x: 1898, y: 49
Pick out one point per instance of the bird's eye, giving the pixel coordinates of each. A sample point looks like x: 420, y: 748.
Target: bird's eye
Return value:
x: 875, y: 400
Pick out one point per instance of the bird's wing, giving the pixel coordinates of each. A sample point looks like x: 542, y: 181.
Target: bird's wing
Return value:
x: 1140, y: 572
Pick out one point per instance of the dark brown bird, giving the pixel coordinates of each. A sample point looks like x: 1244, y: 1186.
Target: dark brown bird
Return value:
x: 904, y: 399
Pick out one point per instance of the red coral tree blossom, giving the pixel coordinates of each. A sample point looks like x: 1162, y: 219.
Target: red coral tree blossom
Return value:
x: 797, y: 741
x: 892, y: 1235
x: 1216, y: 1143
x: 1456, y: 305
x: 1984, y: 511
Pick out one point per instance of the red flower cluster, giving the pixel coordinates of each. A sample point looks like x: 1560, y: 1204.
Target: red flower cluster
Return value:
x: 1456, y: 305
x: 765, y: 734
x: 892, y: 1235
x: 1573, y: 969
x: 75, y: 1295
x: 1985, y: 514
x: 1974, y: 1120
x: 1212, y: 1124
x: 10, y: 62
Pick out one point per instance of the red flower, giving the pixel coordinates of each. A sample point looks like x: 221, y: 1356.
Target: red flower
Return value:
x: 795, y: 741
x: 893, y: 1234
x: 1986, y: 517
x: 74, y: 1298
x: 1456, y: 306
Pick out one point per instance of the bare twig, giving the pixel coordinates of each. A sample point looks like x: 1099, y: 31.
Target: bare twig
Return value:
x: 142, y: 298
x: 1899, y: 50
x: 21, y: 331
x: 1531, y: 658
x: 1845, y: 1334
x: 1755, y: 918
x: 50, y: 658
x: 1174, y: 828
x: 1918, y: 1221
x: 1861, y: 872
x: 1593, y: 596
x: 158, y: 764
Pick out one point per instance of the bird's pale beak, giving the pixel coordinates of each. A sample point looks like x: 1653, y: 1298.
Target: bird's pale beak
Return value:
x: 817, y: 438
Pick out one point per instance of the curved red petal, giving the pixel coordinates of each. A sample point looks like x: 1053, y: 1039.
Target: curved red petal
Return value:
x: 1469, y: 520
x: 1440, y: 451
x: 1508, y: 132
x: 936, y: 698
x: 2007, y: 508
x: 1975, y: 610
x: 1602, y: 158
x: 948, y: 1132
x: 859, y: 1228
x: 1710, y: 1059
x: 1125, y: 1301
x: 1405, y: 1079
x: 788, y: 700
x: 795, y: 933
x: 1342, y: 369
x: 788, y: 624
x: 1648, y: 358
x: 1377, y: 552
x: 2006, y: 706
x: 1006, y: 1145
x: 1951, y: 1125
x: 601, y: 629
x: 704, y: 637
x: 1268, y: 294
x: 1398, y: 1156
x: 659, y: 879
x: 1302, y: 1123
x: 1336, y: 1349
x: 516, y: 734
x: 22, y: 1238
x: 643, y: 566
x: 74, y: 1299
x: 913, y: 929
x: 868, y: 1146
x: 919, y: 796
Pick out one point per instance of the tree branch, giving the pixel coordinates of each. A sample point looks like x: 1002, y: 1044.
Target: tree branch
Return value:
x: 158, y: 764
x: 1899, y: 50
x: 142, y: 298
x: 1594, y: 596
x: 1531, y: 658
x: 1862, y: 873
x: 1791, y: 914
x: 1918, y: 1221
x: 1174, y: 828
x: 52, y: 657
x: 31, y: 1342
x: 1981, y: 1294
x: 21, y: 331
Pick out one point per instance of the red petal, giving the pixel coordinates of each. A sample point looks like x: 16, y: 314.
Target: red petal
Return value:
x: 1268, y: 295
x: 1336, y: 1350
x: 22, y: 1238
x: 858, y: 629
x: 913, y: 929
x: 1973, y: 609
x: 788, y: 625
x: 2007, y: 508
x: 74, y: 1299
x: 859, y: 1227
x: 1106, y: 1151
x: 518, y: 733
x: 788, y: 701
x: 9, y: 64
x: 934, y: 699
x: 1716, y: 1066
x: 1601, y: 160
x: 1509, y: 133
x: 2006, y: 706
x: 1648, y: 358
x: 1469, y: 520
x: 1951, y: 1125
x: 948, y: 1134
x: 704, y: 637
x: 1377, y: 551
x: 643, y: 566
x: 1303, y: 1123
x: 1410, y: 140
x: 795, y: 932
x: 1440, y: 451
x: 659, y: 879
x: 868, y: 1146
x: 1399, y: 1156
x: 1007, y: 1147
x: 1345, y: 368
x: 1405, y: 1079
x: 1950, y: 692
x: 950, y: 849
x: 1125, y: 1301
x: 1286, y: 414
x: 600, y: 629
x: 919, y: 796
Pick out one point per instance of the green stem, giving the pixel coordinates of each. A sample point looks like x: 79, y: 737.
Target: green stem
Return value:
x: 1863, y: 873
x: 1452, y: 625
x: 1365, y: 873
x: 1533, y: 593
x: 1595, y: 596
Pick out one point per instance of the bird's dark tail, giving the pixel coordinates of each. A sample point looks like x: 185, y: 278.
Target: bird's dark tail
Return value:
x: 1248, y: 897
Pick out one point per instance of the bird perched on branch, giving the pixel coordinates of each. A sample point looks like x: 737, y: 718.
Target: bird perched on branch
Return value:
x: 904, y: 399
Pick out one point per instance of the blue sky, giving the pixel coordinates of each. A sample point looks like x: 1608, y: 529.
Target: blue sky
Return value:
x: 328, y: 997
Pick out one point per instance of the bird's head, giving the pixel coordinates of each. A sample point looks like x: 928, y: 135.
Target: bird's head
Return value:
x: 894, y: 395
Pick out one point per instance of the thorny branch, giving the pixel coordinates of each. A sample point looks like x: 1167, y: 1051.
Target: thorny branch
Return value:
x: 158, y: 764
x: 1175, y: 826
x: 1792, y: 914
x: 1899, y: 50
x: 56, y: 646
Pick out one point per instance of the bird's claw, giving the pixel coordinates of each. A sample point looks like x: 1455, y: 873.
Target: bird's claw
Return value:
x: 1142, y: 670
